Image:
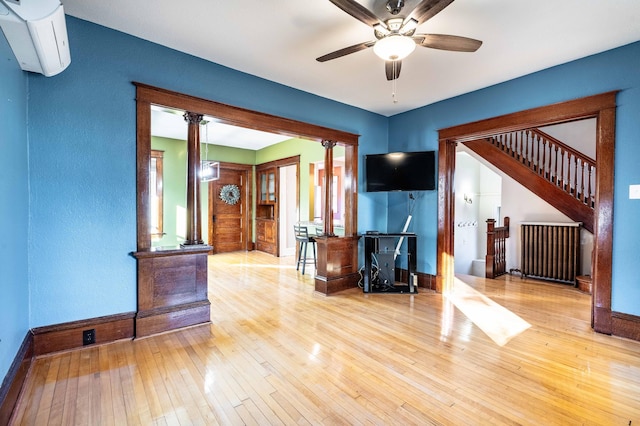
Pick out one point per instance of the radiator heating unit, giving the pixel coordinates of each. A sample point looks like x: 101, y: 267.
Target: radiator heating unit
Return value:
x: 551, y: 251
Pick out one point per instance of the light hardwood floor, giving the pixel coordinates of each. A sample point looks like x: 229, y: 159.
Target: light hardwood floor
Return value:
x: 277, y: 353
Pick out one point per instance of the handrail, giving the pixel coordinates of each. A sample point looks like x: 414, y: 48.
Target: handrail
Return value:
x: 566, y: 147
x: 553, y: 160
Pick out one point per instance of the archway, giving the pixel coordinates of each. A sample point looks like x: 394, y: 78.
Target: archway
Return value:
x: 602, y: 107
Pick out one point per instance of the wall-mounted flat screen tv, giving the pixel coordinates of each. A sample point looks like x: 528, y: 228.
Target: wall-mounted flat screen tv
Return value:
x: 401, y: 171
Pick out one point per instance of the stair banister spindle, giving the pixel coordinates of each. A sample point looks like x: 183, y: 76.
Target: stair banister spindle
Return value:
x: 576, y: 163
x: 563, y: 179
x: 527, y: 150
x: 585, y: 184
x: 540, y: 161
x: 544, y: 159
x: 578, y: 181
x: 554, y: 173
x: 592, y: 175
x: 531, y: 155
x: 518, y: 147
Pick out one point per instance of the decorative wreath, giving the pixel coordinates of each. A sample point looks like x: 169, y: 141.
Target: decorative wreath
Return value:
x: 230, y: 194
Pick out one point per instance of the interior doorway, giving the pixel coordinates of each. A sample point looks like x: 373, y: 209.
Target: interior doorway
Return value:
x: 602, y: 108
x: 288, y: 212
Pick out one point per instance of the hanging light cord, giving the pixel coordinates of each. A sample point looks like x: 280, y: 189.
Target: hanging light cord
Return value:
x: 206, y: 138
x: 394, y: 84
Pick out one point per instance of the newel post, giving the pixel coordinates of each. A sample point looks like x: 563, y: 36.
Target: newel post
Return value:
x: 491, y: 247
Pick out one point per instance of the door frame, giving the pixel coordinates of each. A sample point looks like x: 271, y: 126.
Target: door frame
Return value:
x: 287, y: 161
x: 603, y: 108
x: 282, y: 209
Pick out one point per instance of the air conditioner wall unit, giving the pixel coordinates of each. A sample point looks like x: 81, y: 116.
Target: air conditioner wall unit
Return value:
x: 37, y: 33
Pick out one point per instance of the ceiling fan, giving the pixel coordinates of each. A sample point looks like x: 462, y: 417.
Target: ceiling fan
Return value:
x: 396, y: 37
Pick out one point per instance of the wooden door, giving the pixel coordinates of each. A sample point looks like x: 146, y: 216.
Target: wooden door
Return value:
x: 229, y: 209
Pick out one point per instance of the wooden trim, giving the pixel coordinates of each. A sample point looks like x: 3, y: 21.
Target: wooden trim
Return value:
x: 337, y: 264
x: 15, y: 378
x: 425, y: 281
x: 625, y: 325
x: 288, y: 161
x: 65, y: 336
x: 241, y: 117
x: 351, y: 190
x: 172, y: 289
x: 331, y: 285
x: 163, y: 319
x: 603, y: 221
x: 147, y: 95
x: 143, y: 161
x: 561, y: 112
x: 159, y: 157
x: 601, y: 107
x: 446, y: 210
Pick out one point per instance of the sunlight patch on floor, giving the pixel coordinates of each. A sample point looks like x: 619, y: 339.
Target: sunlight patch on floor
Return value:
x: 497, y: 322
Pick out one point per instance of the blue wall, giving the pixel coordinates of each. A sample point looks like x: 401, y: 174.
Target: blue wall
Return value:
x: 617, y: 69
x: 83, y: 161
x: 14, y: 208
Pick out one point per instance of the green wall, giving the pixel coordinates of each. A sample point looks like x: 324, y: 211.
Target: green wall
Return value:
x: 227, y: 154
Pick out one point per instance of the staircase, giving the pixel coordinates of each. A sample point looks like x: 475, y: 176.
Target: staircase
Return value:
x: 555, y: 172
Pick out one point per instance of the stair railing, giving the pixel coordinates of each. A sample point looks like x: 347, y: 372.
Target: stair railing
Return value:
x: 496, y: 259
x: 555, y: 161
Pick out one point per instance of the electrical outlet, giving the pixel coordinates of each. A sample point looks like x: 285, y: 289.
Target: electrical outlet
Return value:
x: 89, y: 337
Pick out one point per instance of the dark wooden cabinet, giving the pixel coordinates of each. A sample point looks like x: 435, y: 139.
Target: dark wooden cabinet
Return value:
x: 267, y: 210
x: 266, y: 235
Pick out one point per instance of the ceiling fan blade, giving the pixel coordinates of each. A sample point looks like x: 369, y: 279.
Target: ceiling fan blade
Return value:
x: 427, y: 9
x: 345, y: 51
x: 358, y: 11
x: 392, y: 69
x: 447, y: 42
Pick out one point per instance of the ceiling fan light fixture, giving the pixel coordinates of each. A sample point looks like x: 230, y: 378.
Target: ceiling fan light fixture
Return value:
x: 394, y: 47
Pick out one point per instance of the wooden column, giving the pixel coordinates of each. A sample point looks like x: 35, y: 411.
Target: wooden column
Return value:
x: 193, y: 179
x: 328, y: 187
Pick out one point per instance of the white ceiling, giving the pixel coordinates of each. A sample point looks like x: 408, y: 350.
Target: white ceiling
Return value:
x: 280, y: 39
x: 170, y: 123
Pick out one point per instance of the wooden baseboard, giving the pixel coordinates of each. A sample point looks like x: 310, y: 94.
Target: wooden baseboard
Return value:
x: 13, y: 381
x: 164, y: 319
x: 60, y: 337
x: 425, y: 281
x: 332, y: 285
x: 625, y: 325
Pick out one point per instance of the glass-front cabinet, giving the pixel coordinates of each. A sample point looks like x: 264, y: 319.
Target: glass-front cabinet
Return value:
x: 267, y: 186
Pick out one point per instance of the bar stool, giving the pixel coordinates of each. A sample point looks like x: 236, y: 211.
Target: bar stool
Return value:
x: 303, y: 237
